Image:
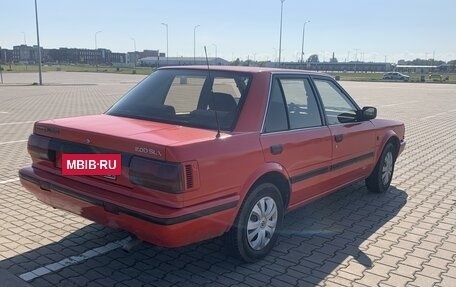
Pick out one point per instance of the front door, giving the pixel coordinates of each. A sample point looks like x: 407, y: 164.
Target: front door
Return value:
x: 353, y: 142
x: 294, y: 136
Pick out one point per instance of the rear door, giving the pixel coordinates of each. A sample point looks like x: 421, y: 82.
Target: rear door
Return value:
x: 353, y: 142
x: 294, y: 136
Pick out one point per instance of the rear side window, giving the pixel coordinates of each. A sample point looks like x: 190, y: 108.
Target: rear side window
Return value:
x: 301, y: 104
x: 292, y: 105
x: 276, y: 116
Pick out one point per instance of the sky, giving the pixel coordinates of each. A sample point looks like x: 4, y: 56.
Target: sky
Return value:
x: 246, y: 29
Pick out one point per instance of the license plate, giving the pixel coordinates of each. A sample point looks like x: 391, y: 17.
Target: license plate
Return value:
x: 107, y: 165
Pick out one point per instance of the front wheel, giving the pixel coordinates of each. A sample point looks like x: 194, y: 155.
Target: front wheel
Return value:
x: 254, y: 232
x: 380, y: 179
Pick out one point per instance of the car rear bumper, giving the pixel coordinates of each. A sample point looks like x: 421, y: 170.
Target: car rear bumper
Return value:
x: 159, y: 225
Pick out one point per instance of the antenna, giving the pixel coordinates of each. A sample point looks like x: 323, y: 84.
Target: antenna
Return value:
x: 212, y: 96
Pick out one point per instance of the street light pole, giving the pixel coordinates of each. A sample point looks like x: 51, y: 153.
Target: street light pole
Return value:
x: 134, y: 63
x: 302, y: 45
x: 280, y: 39
x: 38, y: 44
x: 96, y: 49
x: 167, y: 51
x: 194, y: 43
x: 25, y: 39
x: 96, y: 33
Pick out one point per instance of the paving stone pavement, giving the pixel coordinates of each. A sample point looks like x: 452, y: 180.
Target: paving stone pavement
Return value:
x: 406, y: 237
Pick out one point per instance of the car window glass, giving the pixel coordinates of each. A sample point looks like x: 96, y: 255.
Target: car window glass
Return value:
x: 187, y: 97
x: 301, y: 105
x: 276, y: 116
x: 337, y: 106
x: 184, y: 93
x: 227, y: 86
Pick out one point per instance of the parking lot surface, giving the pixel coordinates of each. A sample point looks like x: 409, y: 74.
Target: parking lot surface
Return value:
x: 406, y: 237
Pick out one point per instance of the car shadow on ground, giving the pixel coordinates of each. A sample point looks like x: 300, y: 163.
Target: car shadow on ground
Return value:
x: 315, y: 240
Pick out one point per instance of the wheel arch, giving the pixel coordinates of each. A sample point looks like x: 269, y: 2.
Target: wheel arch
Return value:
x: 272, y: 173
x: 280, y: 182
x: 389, y: 137
x: 395, y: 141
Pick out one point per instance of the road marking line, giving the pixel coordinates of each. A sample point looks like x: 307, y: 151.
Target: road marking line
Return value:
x: 16, y: 123
x: 73, y: 260
x: 436, y: 115
x: 9, y: 180
x: 3, y: 112
x: 19, y: 141
x: 391, y: 105
x: 398, y: 104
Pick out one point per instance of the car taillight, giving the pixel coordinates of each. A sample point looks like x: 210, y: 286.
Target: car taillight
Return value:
x: 167, y: 177
x: 39, y: 148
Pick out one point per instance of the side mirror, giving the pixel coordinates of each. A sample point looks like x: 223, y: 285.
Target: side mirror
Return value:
x: 367, y: 113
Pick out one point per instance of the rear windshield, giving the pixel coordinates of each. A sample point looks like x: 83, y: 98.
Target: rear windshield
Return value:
x: 186, y: 97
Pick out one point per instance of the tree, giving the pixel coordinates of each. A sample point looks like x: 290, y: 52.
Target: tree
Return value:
x: 313, y: 59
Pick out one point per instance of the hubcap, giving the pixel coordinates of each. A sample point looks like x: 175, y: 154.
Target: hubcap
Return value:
x: 387, y: 169
x: 262, y: 223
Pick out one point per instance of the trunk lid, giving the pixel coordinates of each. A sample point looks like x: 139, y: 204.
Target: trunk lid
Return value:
x: 112, y: 134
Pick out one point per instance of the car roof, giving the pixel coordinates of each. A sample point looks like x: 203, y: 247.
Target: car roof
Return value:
x: 245, y: 69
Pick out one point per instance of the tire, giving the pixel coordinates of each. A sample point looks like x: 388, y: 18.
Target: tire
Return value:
x: 255, y: 230
x: 380, y: 179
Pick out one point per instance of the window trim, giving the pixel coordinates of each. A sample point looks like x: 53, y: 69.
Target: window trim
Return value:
x: 284, y: 101
x: 292, y: 131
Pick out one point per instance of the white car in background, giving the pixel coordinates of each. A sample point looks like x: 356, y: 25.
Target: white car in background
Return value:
x: 395, y: 76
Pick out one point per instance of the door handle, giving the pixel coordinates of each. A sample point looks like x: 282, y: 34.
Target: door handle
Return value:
x: 339, y: 138
x: 277, y: 149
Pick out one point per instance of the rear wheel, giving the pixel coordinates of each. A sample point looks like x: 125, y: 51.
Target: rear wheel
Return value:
x: 254, y: 232
x: 380, y: 179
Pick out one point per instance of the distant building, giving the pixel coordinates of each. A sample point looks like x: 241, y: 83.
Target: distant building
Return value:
x: 336, y: 66
x: 26, y: 54
x: 148, y: 53
x: 83, y: 56
x: 88, y: 56
x: 180, y: 61
x: 6, y: 56
x: 448, y: 68
x: 118, y: 57
x: 415, y: 68
x: 61, y: 55
x: 131, y: 58
x: 22, y: 54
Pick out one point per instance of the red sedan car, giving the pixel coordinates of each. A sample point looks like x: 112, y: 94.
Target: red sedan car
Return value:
x: 201, y: 153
